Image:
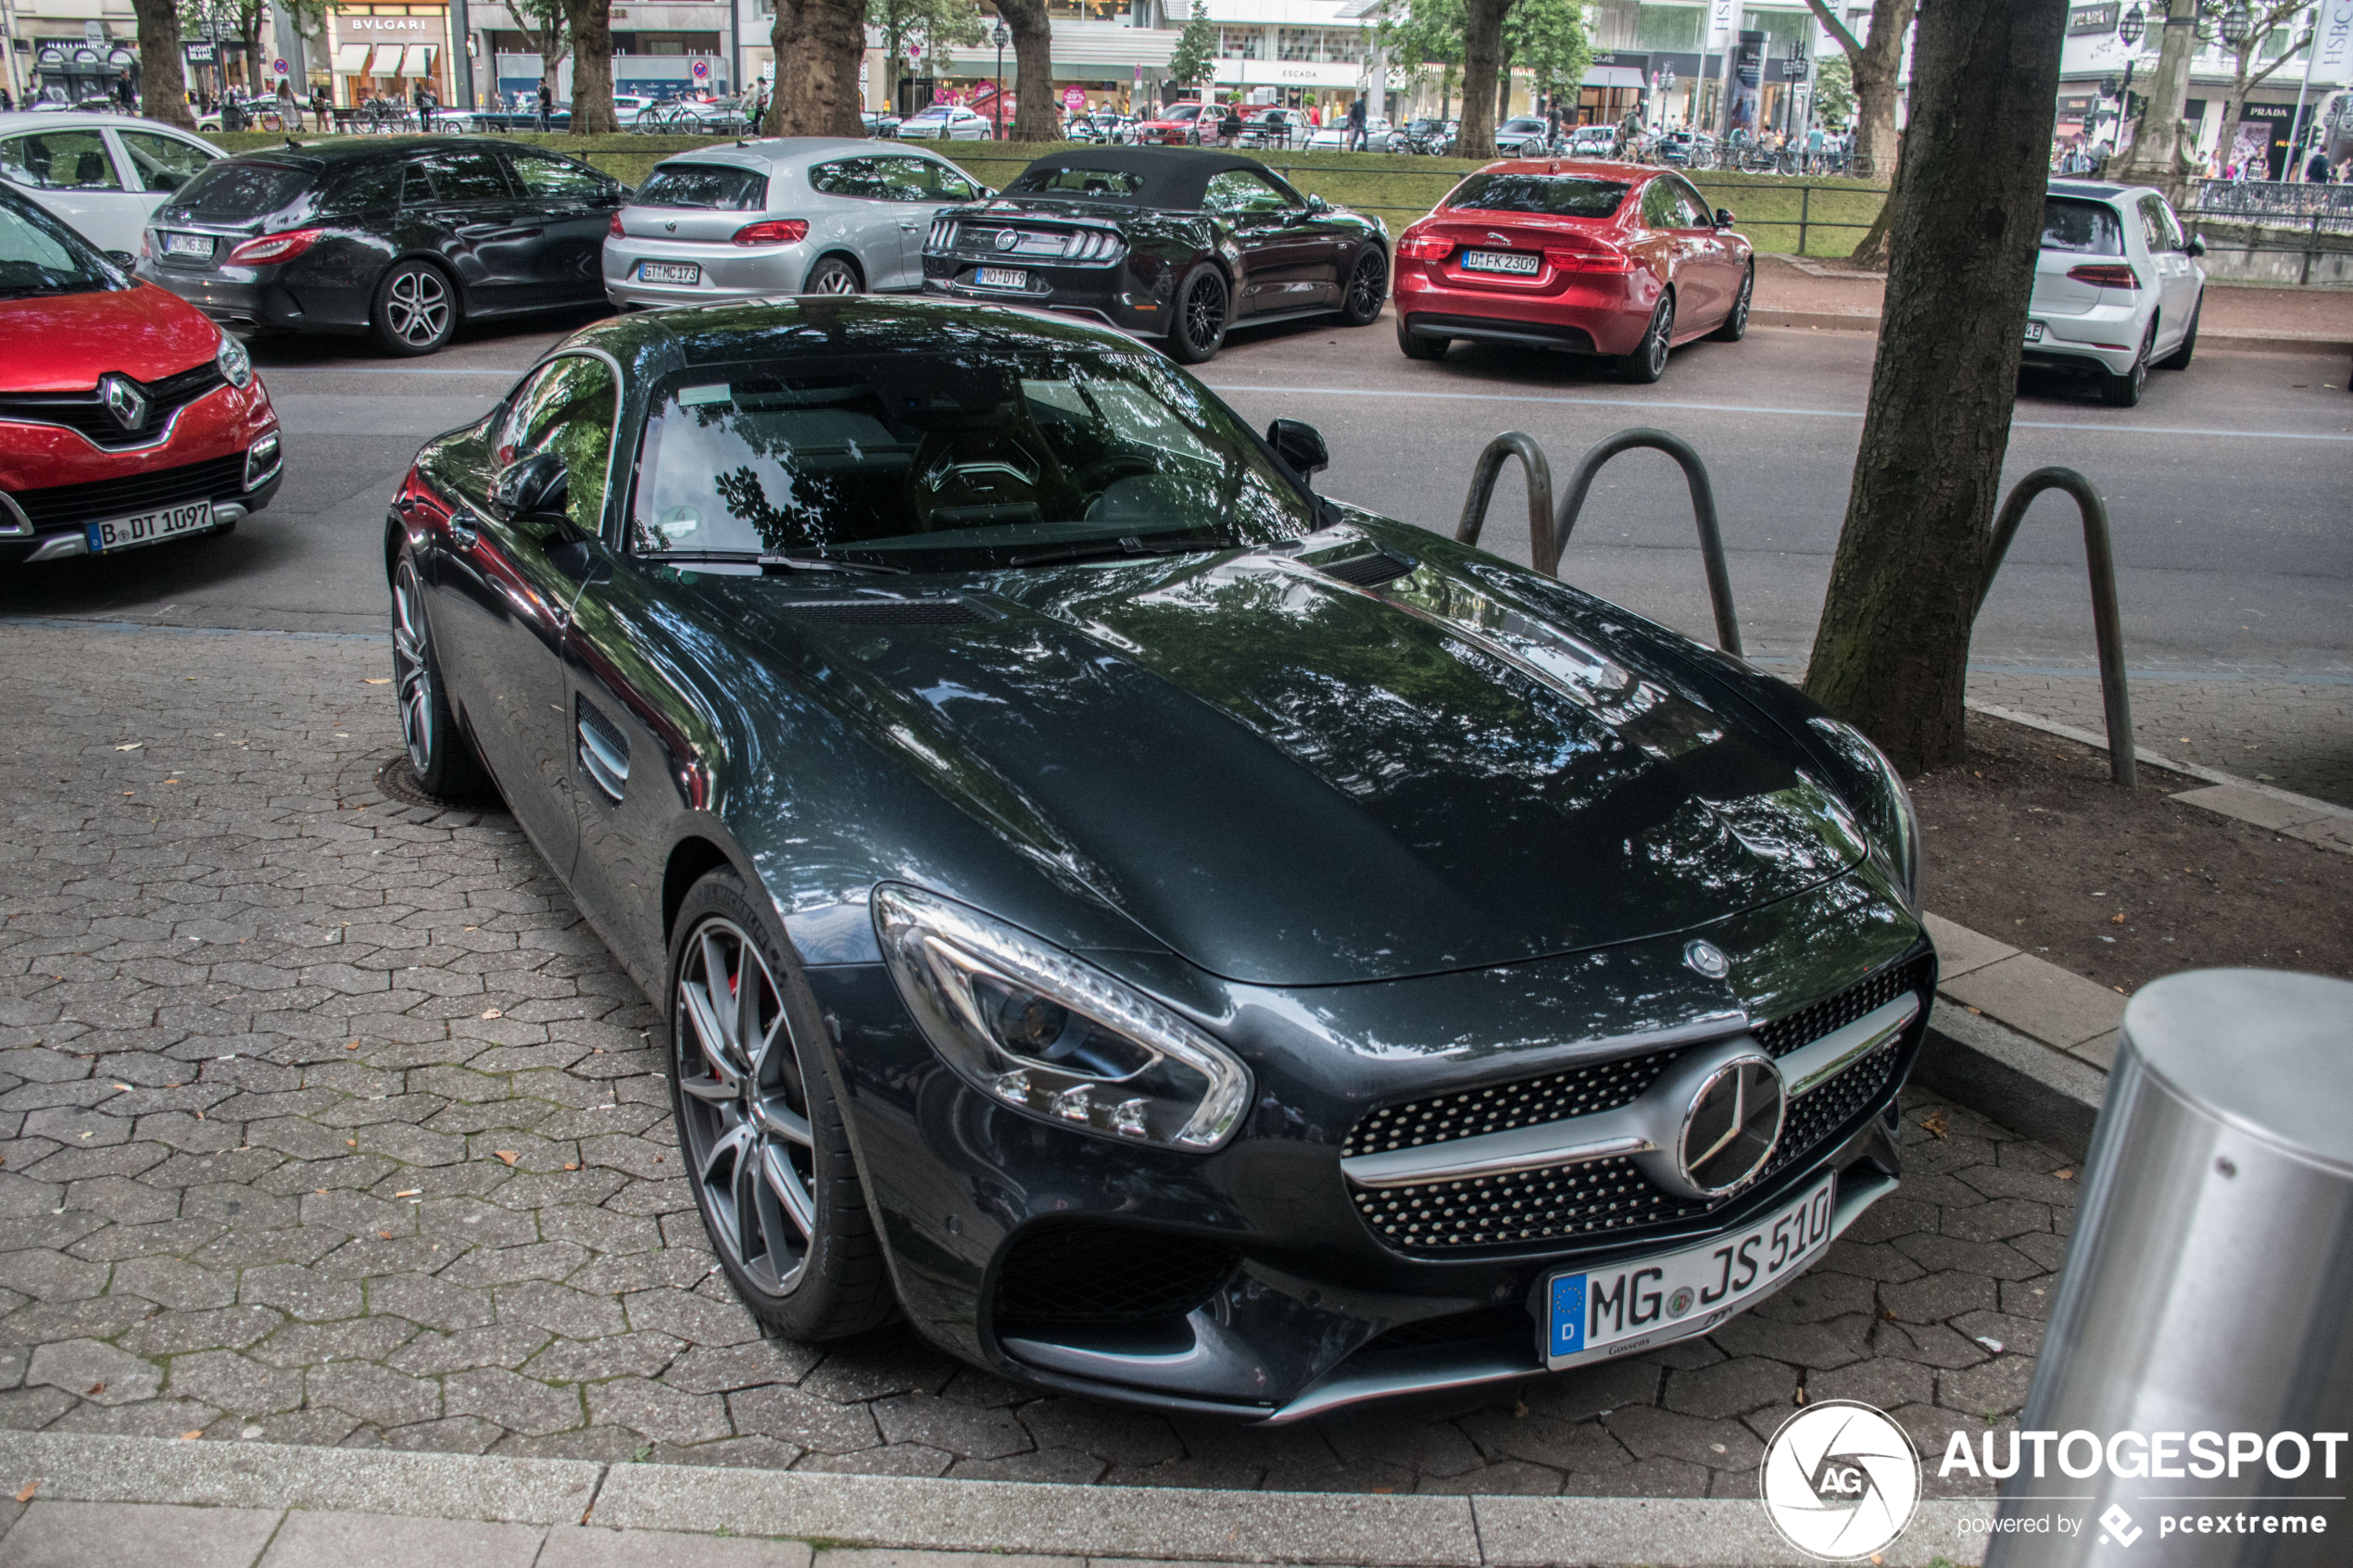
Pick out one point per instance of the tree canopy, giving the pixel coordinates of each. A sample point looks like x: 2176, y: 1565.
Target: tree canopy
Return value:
x: 1547, y: 39
x: 1194, y: 61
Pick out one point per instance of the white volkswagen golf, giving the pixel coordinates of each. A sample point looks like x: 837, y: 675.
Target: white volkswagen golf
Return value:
x: 2117, y: 287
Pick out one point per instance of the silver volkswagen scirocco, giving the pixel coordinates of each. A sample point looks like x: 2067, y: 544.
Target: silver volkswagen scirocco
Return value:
x: 787, y: 215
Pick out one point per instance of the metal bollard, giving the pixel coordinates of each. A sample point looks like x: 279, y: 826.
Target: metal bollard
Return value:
x: 2207, y: 1293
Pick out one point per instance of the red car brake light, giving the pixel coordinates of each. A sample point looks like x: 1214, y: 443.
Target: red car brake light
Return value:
x: 2104, y: 277
x: 774, y: 232
x: 1425, y: 248
x: 270, y: 249
x: 616, y: 229
x: 1590, y: 260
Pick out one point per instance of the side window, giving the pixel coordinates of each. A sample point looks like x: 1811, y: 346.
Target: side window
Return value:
x: 2159, y: 226
x: 1660, y: 208
x: 567, y: 407
x: 416, y: 185
x: 555, y: 179
x: 371, y: 187
x: 1239, y: 192
x: 1699, y: 215
x: 851, y: 177
x: 467, y: 177
x: 59, y: 160
x: 163, y: 163
x: 920, y: 180
x: 2176, y: 237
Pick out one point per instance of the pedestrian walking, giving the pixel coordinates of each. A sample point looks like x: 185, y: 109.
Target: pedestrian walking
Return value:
x: 2317, y: 171
x: 1630, y: 130
x: 1354, y: 141
x: 1553, y: 122
x: 1229, y: 130
x: 547, y: 104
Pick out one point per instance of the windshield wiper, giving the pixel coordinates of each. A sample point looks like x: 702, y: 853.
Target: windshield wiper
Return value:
x: 789, y: 562
x: 1108, y: 549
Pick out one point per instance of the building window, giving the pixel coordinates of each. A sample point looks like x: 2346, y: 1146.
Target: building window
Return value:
x: 1242, y: 43
x: 1299, y: 43
x: 1345, y: 46
x: 1676, y: 29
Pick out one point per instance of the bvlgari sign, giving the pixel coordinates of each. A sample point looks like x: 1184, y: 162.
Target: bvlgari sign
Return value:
x: 389, y: 24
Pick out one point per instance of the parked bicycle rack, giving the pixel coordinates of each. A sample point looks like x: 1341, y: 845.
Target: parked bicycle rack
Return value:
x: 1547, y: 537
x: 2107, y: 627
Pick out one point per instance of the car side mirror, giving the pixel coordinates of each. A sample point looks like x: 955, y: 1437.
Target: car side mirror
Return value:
x: 122, y: 258
x: 987, y: 192
x: 1317, y: 204
x: 1300, y: 445
x: 2196, y: 247
x: 1723, y: 218
x: 536, y: 488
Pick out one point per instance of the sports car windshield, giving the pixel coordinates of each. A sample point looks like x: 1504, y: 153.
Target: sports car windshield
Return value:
x: 1559, y: 195
x: 947, y: 462
x: 1088, y: 185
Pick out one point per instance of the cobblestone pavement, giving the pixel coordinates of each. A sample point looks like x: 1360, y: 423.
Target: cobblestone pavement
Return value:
x: 2297, y: 736
x: 326, y: 1120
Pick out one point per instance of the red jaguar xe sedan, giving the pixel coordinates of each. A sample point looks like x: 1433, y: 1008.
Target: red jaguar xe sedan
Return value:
x: 126, y: 417
x: 1604, y: 258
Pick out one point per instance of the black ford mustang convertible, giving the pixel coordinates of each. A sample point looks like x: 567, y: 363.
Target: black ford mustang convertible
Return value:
x: 1179, y: 938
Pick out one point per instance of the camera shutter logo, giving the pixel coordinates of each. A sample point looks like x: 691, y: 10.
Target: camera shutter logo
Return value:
x: 1840, y: 1481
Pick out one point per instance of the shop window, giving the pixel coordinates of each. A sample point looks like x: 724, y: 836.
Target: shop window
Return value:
x: 1299, y: 43
x: 1242, y: 43
x: 1674, y: 27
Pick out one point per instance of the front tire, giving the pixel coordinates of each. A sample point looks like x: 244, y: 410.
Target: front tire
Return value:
x: 831, y: 275
x: 1199, y: 329
x: 1368, y: 289
x: 438, y: 750
x: 1735, y: 325
x: 2124, y: 391
x: 763, y: 1137
x: 1648, y: 362
x: 415, y: 309
x: 2180, y: 358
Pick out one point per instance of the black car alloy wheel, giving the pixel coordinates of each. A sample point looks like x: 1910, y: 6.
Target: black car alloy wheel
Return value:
x: 1735, y: 325
x: 416, y: 308
x: 437, y: 749
x: 1368, y: 288
x: 1200, y: 326
x: 1648, y: 362
x: 761, y: 1134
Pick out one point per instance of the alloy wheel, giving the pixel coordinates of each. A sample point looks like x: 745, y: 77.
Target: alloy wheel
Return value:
x: 745, y: 1110
x: 412, y: 667
x: 1367, y: 285
x: 1204, y: 311
x: 1739, y: 306
x: 833, y: 278
x: 417, y: 307
x: 1662, y: 332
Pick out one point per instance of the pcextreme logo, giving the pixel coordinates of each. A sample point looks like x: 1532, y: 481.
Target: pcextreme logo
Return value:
x: 1840, y: 1480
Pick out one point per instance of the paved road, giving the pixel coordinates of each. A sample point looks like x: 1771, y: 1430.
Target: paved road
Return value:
x: 326, y: 1120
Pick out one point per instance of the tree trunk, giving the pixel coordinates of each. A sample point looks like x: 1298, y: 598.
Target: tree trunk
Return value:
x: 163, y: 82
x: 2156, y: 135
x: 2233, y: 111
x: 1034, y: 118
x: 1503, y: 88
x: 1874, y: 67
x: 1892, y: 654
x: 817, y: 44
x: 1873, y: 250
x: 1482, y: 53
x: 590, y: 23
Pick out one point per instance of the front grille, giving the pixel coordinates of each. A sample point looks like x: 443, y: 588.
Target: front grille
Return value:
x: 87, y: 413
x: 1807, y: 1024
x: 1456, y: 1328
x: 1089, y: 1272
x: 66, y: 506
x: 1605, y: 1197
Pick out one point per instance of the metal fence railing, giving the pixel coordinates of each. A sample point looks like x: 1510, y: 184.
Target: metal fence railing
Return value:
x: 2277, y: 202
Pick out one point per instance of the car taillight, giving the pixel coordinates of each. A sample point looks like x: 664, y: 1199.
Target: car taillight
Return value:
x: 774, y: 232
x: 272, y: 248
x: 1425, y: 248
x: 1590, y: 260
x: 614, y: 227
x: 2104, y: 277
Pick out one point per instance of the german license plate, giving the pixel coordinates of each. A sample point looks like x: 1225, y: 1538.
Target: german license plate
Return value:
x: 1003, y: 278
x: 146, y: 528
x: 187, y: 244
x: 2033, y: 332
x: 1501, y: 261
x: 669, y: 273
x: 1650, y: 1301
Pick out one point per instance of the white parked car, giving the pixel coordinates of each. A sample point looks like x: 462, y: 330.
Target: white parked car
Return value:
x: 1334, y: 138
x: 103, y: 173
x: 789, y: 215
x: 1592, y: 141
x: 2117, y: 287
x: 945, y: 122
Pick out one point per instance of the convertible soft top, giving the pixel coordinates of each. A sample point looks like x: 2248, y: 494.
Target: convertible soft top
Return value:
x: 1173, y: 176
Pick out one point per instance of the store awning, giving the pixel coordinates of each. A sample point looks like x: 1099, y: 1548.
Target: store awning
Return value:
x: 416, y: 60
x: 1615, y: 76
x: 351, y: 60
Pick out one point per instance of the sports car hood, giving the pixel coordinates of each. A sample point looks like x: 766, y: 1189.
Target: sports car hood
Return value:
x: 1292, y: 780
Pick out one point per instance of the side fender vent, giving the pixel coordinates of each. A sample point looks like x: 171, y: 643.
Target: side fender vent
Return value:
x: 604, y: 751
x: 1367, y: 572
x: 889, y: 612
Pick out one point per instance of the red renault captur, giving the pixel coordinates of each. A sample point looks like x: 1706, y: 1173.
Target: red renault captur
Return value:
x: 126, y: 417
x: 1590, y: 258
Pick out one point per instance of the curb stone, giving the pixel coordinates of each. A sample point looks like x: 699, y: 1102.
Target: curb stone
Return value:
x: 660, y: 1503
x: 2243, y: 343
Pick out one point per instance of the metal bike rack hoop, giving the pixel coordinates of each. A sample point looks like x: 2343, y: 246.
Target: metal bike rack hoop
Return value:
x: 1711, y: 538
x: 1513, y: 443
x: 2107, y: 627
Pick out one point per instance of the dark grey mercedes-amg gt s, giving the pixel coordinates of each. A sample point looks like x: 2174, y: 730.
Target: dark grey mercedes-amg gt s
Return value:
x: 1181, y: 939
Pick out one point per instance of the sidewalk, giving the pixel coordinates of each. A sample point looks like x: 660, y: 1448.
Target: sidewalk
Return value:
x: 1823, y: 295
x: 99, y: 1502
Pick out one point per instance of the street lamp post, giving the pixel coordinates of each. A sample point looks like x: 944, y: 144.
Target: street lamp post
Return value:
x: 1000, y: 37
x: 2131, y: 27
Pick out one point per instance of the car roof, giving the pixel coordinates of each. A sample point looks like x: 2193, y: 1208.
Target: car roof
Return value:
x: 2095, y: 189
x: 335, y: 151
x: 1590, y: 169
x: 1173, y: 177
x: 775, y: 153
x: 75, y: 120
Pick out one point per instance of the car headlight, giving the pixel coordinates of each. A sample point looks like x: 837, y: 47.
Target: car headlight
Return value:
x: 234, y: 362
x: 1046, y: 1032
x: 1885, y: 804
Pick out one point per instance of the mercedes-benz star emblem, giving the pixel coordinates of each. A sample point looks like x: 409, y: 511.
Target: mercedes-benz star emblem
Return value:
x: 1730, y: 1126
x: 123, y: 400
x: 1708, y: 958
x: 1008, y: 238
